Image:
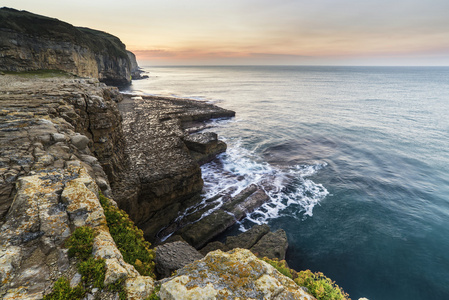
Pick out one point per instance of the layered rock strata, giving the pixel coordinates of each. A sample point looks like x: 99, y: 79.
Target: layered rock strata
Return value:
x: 33, y: 42
x: 43, y: 123
x: 50, y: 180
x: 61, y: 142
x: 209, y: 218
x: 162, y: 178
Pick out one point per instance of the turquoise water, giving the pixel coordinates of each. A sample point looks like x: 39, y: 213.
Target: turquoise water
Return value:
x: 355, y: 160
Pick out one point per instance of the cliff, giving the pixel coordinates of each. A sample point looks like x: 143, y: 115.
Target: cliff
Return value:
x: 57, y: 138
x: 162, y: 178
x: 33, y: 42
x: 136, y: 72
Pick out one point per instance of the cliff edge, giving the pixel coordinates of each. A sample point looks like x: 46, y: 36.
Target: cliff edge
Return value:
x: 33, y: 42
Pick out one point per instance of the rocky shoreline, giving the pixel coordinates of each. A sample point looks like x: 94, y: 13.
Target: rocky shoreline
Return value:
x: 163, y: 176
x: 64, y: 140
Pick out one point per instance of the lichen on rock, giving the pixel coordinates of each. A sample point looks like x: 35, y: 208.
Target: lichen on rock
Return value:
x: 237, y: 274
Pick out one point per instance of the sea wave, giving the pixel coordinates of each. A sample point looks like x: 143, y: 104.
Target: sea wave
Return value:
x: 286, y: 187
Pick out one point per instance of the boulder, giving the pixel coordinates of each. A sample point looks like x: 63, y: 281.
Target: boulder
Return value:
x: 247, y: 239
x: 199, y: 233
x: 204, y: 147
x: 212, y: 246
x: 272, y: 245
x: 80, y: 141
x: 173, y: 256
x: 237, y: 274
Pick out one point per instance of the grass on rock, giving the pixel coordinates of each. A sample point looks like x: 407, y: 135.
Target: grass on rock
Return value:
x: 320, y: 286
x: 129, y: 239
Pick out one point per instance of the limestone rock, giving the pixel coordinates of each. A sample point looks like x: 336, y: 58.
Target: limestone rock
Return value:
x: 80, y: 141
x: 272, y: 245
x: 237, y: 274
x: 204, y: 147
x: 247, y: 239
x: 139, y: 288
x: 35, y: 131
x: 173, y: 256
x: 31, y: 42
x: 199, y: 232
x: 162, y: 177
x: 212, y: 246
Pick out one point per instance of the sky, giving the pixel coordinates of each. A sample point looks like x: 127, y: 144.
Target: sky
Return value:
x: 265, y: 32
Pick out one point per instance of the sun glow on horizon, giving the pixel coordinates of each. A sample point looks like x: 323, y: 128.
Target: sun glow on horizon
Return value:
x: 173, y: 32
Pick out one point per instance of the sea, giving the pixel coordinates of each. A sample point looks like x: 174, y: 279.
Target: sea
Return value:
x: 355, y: 161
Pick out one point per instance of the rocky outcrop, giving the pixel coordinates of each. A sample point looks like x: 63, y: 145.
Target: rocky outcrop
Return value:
x: 237, y: 274
x: 33, y: 42
x: 173, y: 256
x: 136, y: 72
x: 45, y: 123
x: 210, y: 220
x: 204, y: 147
x: 50, y: 182
x: 162, y: 178
x: 258, y: 239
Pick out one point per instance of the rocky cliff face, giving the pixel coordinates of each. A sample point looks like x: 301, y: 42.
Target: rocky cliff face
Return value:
x: 57, y: 136
x: 162, y: 178
x: 136, y: 73
x: 33, y: 42
x: 50, y: 134
x: 45, y: 123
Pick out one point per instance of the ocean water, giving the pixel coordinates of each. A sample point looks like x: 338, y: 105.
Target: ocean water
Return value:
x: 355, y: 160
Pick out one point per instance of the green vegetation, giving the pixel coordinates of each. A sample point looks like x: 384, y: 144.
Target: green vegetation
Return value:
x: 80, y: 243
x: 154, y: 294
x: 93, y: 272
x: 118, y: 288
x: 320, y: 286
x: 281, y: 266
x: 129, y: 239
x: 63, y: 291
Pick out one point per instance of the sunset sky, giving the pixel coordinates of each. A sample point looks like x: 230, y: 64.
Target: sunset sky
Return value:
x: 248, y: 32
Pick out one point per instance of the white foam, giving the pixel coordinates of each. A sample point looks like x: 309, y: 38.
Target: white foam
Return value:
x: 238, y: 168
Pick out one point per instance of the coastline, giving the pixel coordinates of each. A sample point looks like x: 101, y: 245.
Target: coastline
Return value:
x: 62, y: 143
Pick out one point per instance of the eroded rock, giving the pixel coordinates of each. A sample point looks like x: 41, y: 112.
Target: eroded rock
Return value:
x: 162, y: 177
x: 272, y: 245
x: 173, y: 256
x: 236, y: 274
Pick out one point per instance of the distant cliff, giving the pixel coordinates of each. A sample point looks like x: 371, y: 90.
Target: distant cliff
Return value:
x: 32, y: 42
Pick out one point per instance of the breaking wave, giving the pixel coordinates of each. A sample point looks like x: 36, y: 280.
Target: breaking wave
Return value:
x: 289, y: 187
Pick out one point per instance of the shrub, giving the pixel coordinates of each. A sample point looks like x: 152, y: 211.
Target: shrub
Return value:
x: 63, y: 291
x: 80, y: 243
x: 320, y: 286
x: 93, y: 272
x: 129, y: 239
x: 281, y: 266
